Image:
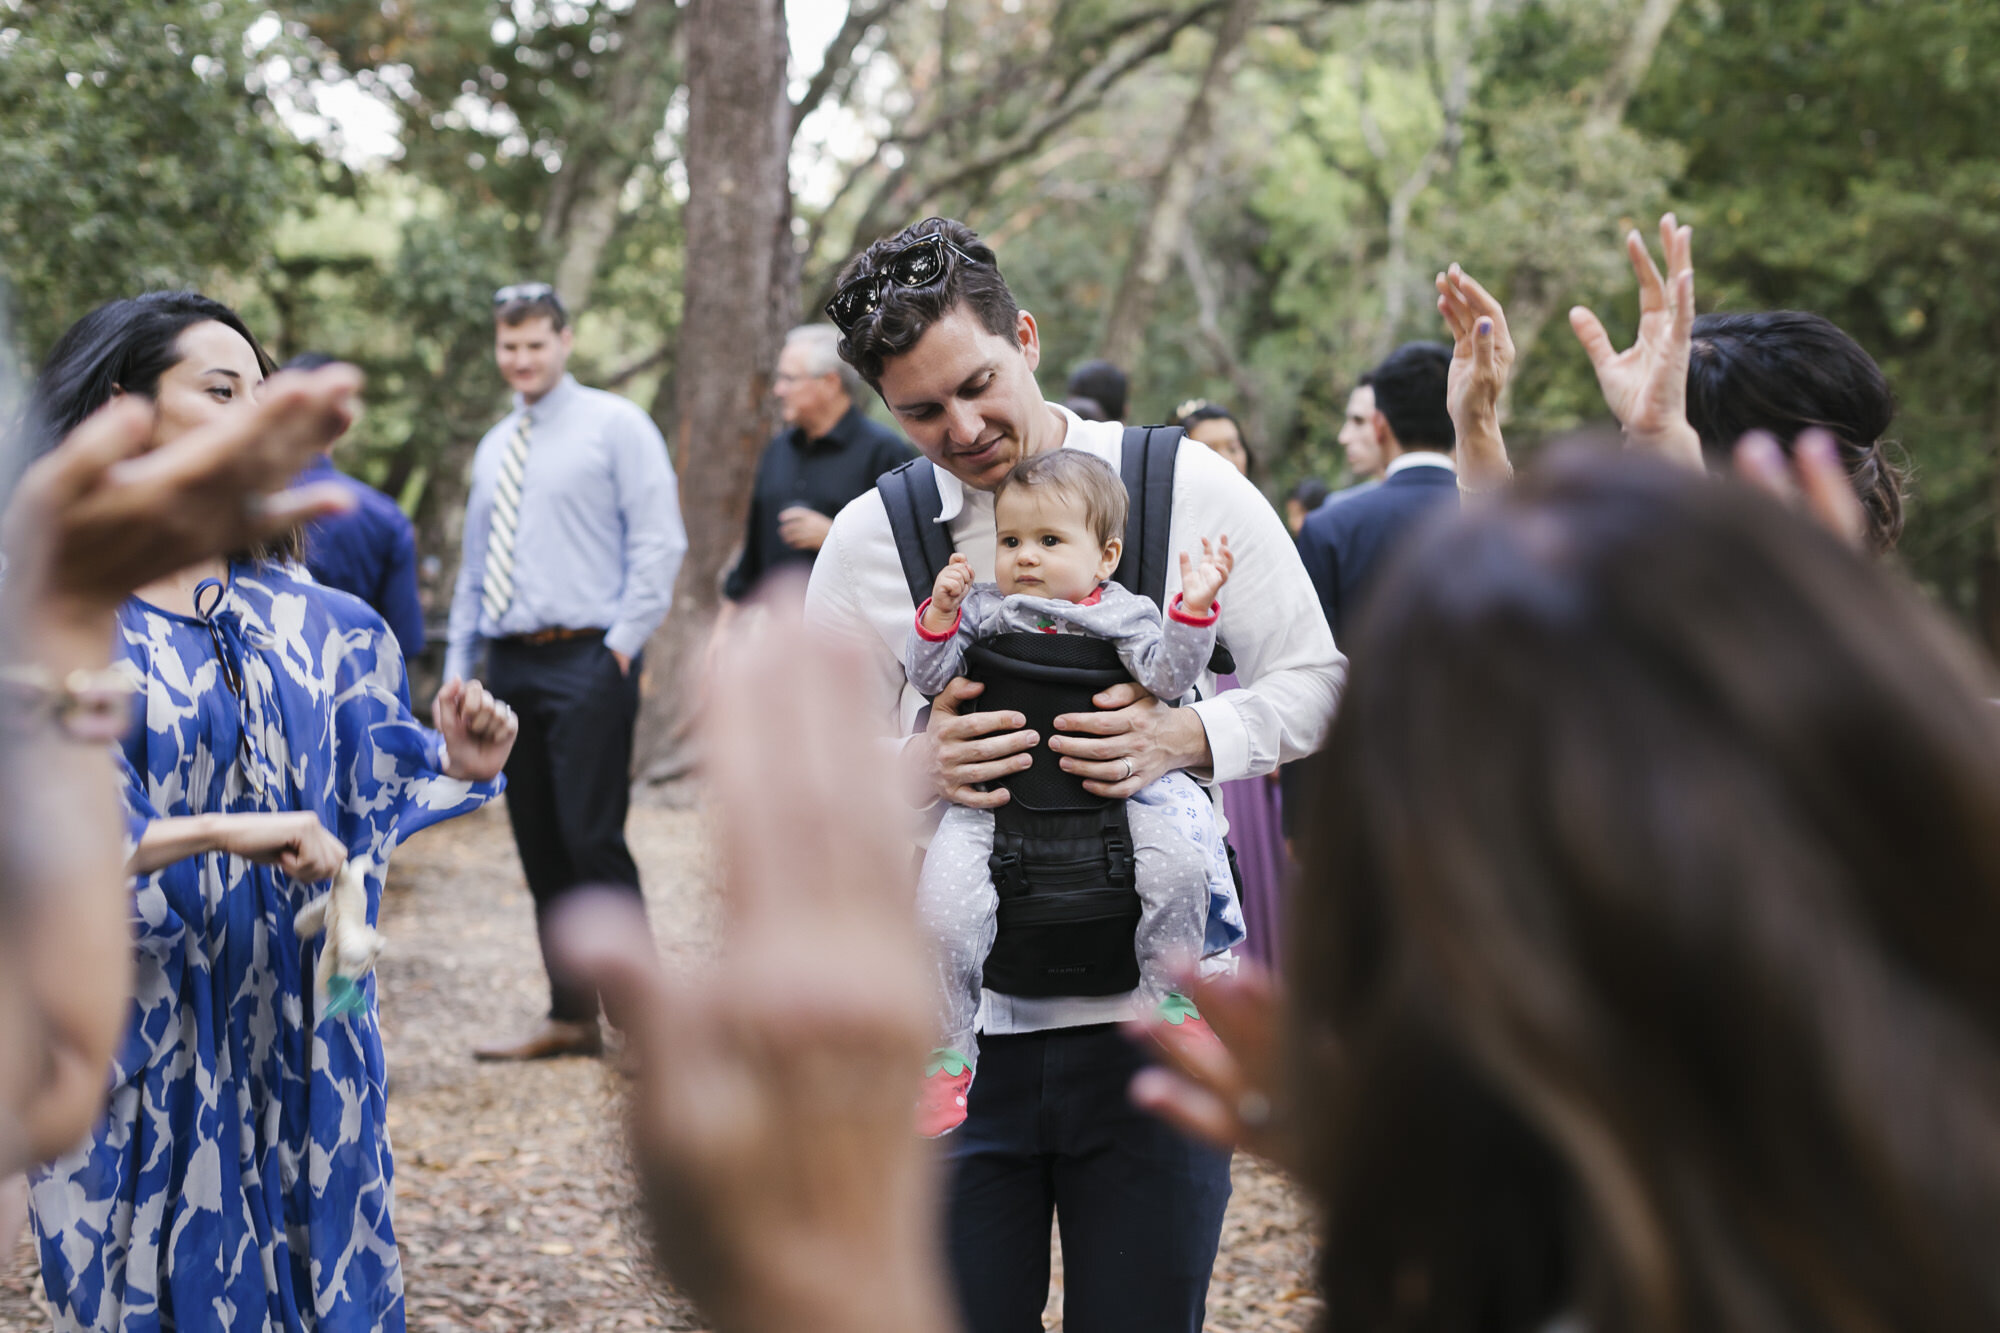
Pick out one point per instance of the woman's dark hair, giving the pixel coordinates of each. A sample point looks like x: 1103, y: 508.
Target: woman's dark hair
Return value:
x: 907, y: 313
x: 1657, y: 851
x: 126, y: 345
x: 1786, y: 371
x: 1193, y: 414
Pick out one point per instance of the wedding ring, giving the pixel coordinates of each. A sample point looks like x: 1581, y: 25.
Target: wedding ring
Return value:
x: 1129, y: 771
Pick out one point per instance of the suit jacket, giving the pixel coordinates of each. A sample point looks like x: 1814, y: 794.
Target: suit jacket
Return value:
x: 1345, y: 546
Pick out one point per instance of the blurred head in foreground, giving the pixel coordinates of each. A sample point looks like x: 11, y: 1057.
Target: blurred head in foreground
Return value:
x: 1644, y: 963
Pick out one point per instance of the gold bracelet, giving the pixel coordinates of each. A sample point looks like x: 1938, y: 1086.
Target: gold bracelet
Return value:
x: 87, y: 706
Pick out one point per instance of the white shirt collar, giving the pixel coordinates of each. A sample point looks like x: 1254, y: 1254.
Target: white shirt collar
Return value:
x: 1419, y: 458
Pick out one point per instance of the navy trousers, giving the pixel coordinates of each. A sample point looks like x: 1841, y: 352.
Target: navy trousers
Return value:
x: 569, y: 779
x: 1049, y: 1130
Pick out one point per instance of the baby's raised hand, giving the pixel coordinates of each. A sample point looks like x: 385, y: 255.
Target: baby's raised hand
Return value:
x: 953, y: 582
x: 1201, y: 582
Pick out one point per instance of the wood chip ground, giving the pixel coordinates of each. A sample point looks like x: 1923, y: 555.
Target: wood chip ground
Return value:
x: 514, y: 1204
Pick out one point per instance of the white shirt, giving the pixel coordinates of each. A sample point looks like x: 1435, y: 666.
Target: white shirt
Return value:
x: 1271, y: 623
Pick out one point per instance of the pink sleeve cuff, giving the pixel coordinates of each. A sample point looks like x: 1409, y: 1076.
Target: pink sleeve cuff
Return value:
x: 929, y: 637
x: 1199, y: 622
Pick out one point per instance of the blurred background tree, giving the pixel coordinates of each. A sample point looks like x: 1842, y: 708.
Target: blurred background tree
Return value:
x: 1247, y: 198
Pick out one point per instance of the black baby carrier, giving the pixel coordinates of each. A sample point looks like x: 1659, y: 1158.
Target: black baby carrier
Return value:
x: 1063, y: 861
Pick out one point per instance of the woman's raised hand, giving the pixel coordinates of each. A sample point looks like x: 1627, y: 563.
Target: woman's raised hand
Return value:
x: 1645, y: 386
x: 1482, y: 363
x: 775, y: 1094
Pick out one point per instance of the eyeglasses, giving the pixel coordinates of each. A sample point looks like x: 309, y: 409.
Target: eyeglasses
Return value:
x: 527, y: 291
x: 922, y: 263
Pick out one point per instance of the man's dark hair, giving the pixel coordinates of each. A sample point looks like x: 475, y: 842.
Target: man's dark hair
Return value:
x: 547, y: 306
x: 1103, y: 381
x: 1787, y: 371
x: 907, y: 313
x: 1410, y: 391
x: 1087, y: 408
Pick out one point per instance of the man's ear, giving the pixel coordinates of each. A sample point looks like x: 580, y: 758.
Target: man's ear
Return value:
x: 1030, y: 339
x: 1114, y: 550
x: 1385, y: 438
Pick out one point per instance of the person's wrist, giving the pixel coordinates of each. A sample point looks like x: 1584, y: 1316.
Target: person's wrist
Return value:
x: 1189, y: 739
x: 60, y: 631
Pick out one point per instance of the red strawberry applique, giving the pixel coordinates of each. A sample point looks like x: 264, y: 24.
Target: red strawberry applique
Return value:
x: 941, y: 1103
x: 1184, y: 1025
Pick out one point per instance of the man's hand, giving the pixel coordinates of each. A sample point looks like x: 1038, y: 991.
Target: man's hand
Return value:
x: 478, y: 730
x: 1201, y: 582
x: 955, y: 753
x: 1482, y: 363
x: 953, y: 582
x: 623, y: 660
x: 1134, y: 742
x: 803, y: 529
x: 1645, y: 386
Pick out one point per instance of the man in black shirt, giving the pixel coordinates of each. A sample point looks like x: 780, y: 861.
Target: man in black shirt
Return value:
x: 828, y: 453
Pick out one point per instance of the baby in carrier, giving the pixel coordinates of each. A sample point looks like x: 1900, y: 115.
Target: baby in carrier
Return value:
x: 1060, y: 521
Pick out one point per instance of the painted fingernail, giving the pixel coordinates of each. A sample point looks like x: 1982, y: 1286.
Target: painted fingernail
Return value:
x: 1485, y: 328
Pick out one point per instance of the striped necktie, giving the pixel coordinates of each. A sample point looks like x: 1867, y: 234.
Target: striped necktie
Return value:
x: 498, y: 590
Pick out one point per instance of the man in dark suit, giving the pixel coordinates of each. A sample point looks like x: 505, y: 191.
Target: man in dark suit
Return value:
x: 1345, y: 545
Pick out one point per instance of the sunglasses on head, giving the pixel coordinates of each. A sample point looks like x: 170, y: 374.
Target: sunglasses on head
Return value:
x: 526, y: 291
x: 921, y: 263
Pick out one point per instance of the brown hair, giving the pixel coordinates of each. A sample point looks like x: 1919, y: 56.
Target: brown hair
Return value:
x: 907, y: 313
x: 1075, y: 475
x: 1652, y: 893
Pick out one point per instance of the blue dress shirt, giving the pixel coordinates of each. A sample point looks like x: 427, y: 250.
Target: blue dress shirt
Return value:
x: 599, y: 541
x: 370, y: 551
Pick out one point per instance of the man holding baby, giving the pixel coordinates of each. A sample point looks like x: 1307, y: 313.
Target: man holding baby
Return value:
x: 928, y: 321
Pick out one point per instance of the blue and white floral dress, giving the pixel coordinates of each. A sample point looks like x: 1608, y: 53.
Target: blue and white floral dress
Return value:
x: 241, y: 1178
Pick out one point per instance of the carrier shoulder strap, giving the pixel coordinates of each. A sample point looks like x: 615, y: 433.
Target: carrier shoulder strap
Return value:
x: 1147, y: 466
x: 910, y: 494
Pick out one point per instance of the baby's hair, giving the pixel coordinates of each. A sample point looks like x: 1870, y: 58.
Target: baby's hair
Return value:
x: 1076, y: 475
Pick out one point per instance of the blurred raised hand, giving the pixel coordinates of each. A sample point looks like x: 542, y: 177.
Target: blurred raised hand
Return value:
x: 1812, y: 480
x: 1232, y: 1095
x: 1645, y: 386
x: 774, y: 1093
x: 101, y: 514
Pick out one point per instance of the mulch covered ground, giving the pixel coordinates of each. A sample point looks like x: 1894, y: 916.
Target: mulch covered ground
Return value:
x: 514, y: 1202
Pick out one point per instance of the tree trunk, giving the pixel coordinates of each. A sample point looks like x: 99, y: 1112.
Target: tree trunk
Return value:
x: 1156, y: 243
x: 740, y: 296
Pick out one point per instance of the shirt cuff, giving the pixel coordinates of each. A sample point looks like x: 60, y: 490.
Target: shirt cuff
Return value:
x: 626, y: 639
x: 929, y: 637
x: 1228, y: 738
x: 1188, y: 618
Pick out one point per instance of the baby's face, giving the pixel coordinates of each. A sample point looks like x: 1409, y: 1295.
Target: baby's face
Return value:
x: 1046, y: 547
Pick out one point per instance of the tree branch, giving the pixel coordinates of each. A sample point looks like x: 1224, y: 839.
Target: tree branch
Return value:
x: 839, y: 53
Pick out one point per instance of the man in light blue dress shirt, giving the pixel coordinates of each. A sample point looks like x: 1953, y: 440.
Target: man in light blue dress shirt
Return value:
x: 572, y: 542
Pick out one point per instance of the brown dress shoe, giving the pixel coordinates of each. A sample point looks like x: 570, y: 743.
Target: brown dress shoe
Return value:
x: 554, y: 1037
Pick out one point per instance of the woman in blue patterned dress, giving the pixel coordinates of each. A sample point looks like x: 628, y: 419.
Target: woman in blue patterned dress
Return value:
x: 241, y: 1178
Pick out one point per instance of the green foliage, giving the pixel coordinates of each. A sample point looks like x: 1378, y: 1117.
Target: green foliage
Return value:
x: 137, y: 150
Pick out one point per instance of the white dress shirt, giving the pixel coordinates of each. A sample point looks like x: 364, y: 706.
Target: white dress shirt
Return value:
x: 1290, y: 670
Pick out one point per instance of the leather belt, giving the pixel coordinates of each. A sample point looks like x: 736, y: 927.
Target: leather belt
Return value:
x: 543, y: 637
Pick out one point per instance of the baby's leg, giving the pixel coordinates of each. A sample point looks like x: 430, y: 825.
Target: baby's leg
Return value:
x: 959, y: 911
x: 1173, y: 880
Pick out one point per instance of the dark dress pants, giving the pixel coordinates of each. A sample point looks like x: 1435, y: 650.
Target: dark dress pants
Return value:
x: 569, y: 779
x: 1049, y: 1129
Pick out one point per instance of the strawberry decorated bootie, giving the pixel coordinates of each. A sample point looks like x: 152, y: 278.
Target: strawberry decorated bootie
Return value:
x: 1183, y: 1026
x: 941, y: 1104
